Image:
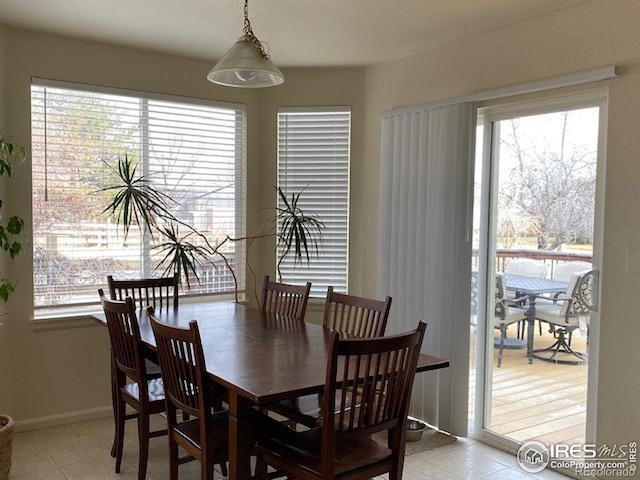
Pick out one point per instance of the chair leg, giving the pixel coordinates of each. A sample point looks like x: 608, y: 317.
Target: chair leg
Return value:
x: 143, y: 442
x: 261, y: 468
x: 206, y: 468
x: 503, y: 335
x: 397, y: 442
x: 173, y: 459
x: 120, y: 420
x: 540, y: 327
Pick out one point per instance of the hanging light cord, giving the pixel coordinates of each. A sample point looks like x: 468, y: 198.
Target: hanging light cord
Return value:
x: 248, y: 31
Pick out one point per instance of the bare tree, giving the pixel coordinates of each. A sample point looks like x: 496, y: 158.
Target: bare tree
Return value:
x: 549, y: 193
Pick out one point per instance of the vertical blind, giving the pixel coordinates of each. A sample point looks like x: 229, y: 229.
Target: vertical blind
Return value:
x: 193, y: 151
x: 313, y: 158
x: 425, y: 255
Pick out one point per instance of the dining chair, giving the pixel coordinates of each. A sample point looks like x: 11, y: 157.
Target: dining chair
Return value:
x: 347, y: 314
x: 568, y: 313
x: 357, y: 316
x: 145, y: 395
x: 160, y: 293
x: 285, y: 299
x: 384, y: 370
x: 182, y: 363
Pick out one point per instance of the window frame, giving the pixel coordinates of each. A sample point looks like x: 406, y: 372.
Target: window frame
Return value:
x: 311, y: 110
x: 63, y: 311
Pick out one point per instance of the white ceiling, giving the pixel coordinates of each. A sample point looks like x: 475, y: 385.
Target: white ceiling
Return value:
x: 299, y: 32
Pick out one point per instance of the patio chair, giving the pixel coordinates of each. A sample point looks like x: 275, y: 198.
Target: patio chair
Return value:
x: 562, y: 272
x: 525, y: 267
x: 507, y: 312
x: 566, y: 314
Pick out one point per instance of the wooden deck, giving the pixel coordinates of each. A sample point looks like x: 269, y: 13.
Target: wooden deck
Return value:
x: 542, y: 401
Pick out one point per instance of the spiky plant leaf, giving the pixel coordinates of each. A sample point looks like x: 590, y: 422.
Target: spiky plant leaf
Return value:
x: 181, y: 257
x: 134, y: 200
x: 299, y: 231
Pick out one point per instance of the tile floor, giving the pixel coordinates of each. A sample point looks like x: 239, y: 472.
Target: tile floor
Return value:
x: 80, y: 451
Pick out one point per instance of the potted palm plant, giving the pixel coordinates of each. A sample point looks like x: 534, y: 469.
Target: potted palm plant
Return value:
x: 10, y: 229
x: 183, y: 249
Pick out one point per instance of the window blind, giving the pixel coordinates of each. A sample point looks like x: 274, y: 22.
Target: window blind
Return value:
x: 313, y: 158
x: 191, y: 150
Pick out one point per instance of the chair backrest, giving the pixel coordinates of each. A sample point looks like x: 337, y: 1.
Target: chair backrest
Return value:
x: 159, y: 293
x: 582, y: 291
x: 285, y: 299
x: 525, y: 267
x: 124, y: 334
x: 500, y: 293
x: 562, y: 272
x: 183, y: 366
x: 382, y: 371
x: 356, y: 316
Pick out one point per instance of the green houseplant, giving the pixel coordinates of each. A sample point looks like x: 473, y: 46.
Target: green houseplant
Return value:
x: 10, y: 229
x: 182, y: 248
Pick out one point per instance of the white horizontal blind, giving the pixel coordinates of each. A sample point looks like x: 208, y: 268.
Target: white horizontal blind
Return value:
x: 313, y: 158
x: 192, y: 151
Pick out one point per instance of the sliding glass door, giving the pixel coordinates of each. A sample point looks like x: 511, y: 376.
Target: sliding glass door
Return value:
x: 535, y: 269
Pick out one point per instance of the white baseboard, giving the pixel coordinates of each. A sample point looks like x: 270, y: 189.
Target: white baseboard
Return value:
x: 62, y: 418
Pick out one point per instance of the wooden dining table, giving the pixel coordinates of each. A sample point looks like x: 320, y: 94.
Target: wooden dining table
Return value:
x: 259, y: 358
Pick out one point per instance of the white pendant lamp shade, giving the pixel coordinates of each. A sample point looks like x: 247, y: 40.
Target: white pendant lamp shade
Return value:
x: 246, y: 67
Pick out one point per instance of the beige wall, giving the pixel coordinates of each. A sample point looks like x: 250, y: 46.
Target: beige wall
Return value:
x: 63, y: 370
x: 593, y: 35
x: 304, y: 87
x: 5, y: 370
x: 58, y: 371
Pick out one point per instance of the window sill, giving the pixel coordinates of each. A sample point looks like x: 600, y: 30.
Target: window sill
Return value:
x: 63, y: 318
x: 316, y: 304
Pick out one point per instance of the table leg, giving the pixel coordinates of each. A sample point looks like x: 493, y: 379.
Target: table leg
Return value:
x: 240, y: 437
x: 531, y: 320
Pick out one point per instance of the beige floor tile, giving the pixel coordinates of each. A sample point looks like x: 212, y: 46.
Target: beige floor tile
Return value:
x: 100, y: 427
x: 418, y: 468
x: 99, y: 470
x: 465, y: 464
x: 80, y: 451
x: 51, y: 473
x: 64, y: 433
x: 85, y: 449
x: 507, y: 474
x: 506, y: 459
x: 550, y: 475
x: 31, y: 462
x: 26, y: 443
x: 454, y: 447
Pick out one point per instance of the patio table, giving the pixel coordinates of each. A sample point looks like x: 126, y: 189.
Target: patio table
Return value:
x: 533, y: 287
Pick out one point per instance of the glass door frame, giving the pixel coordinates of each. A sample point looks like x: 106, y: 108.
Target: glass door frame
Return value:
x: 488, y: 117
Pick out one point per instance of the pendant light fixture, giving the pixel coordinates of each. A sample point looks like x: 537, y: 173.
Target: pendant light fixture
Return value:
x: 246, y: 64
